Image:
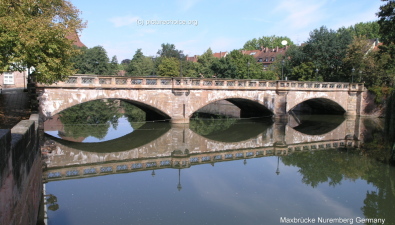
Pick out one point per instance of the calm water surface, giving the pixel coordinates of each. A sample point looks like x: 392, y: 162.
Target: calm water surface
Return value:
x: 216, y: 172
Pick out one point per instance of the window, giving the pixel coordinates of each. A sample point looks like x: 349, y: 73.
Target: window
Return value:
x: 252, y: 53
x: 260, y: 60
x: 272, y: 59
x: 8, y: 78
x: 266, y: 59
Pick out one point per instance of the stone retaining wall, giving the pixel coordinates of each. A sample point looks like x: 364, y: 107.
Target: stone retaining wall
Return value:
x: 20, y: 173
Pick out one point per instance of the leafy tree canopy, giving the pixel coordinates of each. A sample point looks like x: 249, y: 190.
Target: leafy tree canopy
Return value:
x: 368, y: 30
x: 33, y: 35
x: 169, y: 67
x: 140, y: 65
x: 387, y: 23
x: 169, y: 50
x: 94, y: 61
x: 266, y: 41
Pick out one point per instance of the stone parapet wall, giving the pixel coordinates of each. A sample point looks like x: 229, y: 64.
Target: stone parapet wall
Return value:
x: 20, y: 173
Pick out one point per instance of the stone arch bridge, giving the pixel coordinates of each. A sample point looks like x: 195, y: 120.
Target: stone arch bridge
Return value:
x: 176, y: 99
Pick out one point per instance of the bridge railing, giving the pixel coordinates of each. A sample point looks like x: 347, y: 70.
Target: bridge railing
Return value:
x: 111, y: 82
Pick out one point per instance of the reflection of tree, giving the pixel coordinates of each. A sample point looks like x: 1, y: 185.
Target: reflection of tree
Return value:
x: 52, y: 202
x: 94, y: 118
x: 90, y: 119
x: 380, y: 203
x: 333, y: 166
x: 134, y: 114
x: 208, y: 126
x: 327, y: 166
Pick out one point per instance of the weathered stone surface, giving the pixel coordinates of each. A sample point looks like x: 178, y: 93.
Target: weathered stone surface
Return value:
x: 178, y: 98
x: 21, y: 174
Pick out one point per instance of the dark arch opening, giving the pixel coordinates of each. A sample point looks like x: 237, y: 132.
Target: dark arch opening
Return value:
x: 319, y: 106
x: 151, y: 113
x: 242, y: 108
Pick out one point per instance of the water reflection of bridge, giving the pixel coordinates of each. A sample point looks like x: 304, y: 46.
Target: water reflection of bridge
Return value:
x: 180, y: 147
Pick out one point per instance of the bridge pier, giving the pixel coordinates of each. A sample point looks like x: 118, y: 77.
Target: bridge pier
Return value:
x: 280, y: 107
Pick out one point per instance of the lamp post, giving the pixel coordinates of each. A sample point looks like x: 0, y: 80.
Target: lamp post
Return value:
x: 278, y: 165
x: 179, y: 187
x: 282, y: 69
x: 316, y: 74
x: 360, y: 76
x: 352, y: 75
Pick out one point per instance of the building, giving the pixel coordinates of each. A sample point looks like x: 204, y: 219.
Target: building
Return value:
x: 266, y: 55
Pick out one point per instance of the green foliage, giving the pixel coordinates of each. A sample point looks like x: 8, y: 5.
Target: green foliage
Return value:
x: 140, y: 65
x: 329, y: 166
x: 367, y: 30
x: 381, y: 93
x: 94, y: 61
x: 206, y: 61
x: 208, y: 126
x: 94, y: 118
x: 326, y: 49
x: 169, y: 67
x: 387, y: 31
x: 237, y: 65
x: 169, y: 50
x: 305, y: 72
x: 90, y: 119
x: 33, y: 35
x: 134, y: 114
x: 114, y: 66
x: 266, y: 41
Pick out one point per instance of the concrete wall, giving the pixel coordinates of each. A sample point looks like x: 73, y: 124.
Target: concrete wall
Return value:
x: 20, y: 173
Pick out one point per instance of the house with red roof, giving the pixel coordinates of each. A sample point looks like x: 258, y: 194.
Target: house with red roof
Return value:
x: 266, y: 55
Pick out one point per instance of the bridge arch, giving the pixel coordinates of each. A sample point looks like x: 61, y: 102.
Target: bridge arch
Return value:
x: 321, y: 103
x: 320, y: 106
x: 249, y: 107
x: 51, y: 103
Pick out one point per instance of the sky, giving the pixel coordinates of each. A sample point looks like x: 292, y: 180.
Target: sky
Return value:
x: 193, y: 26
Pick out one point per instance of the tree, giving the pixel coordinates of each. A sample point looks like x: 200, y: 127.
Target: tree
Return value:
x: 33, y: 35
x: 206, y: 61
x: 368, y: 30
x: 326, y: 49
x: 266, y: 41
x: 93, y: 61
x: 169, y: 67
x: 113, y: 70
x: 140, y: 65
x: 387, y: 23
x: 169, y: 50
x: 237, y: 65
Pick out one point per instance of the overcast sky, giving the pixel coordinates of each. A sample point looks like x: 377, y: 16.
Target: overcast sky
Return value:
x: 123, y: 26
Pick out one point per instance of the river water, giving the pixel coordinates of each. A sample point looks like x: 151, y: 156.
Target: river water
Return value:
x: 107, y: 166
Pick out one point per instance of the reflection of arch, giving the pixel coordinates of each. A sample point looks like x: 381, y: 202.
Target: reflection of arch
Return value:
x: 319, y: 106
x: 315, y: 125
x: 248, y: 107
x: 143, y: 135
x: 239, y: 131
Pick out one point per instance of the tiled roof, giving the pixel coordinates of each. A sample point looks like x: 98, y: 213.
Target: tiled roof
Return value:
x: 266, y: 55
x: 74, y: 37
x: 220, y: 54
